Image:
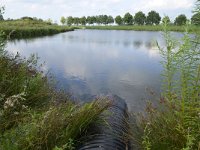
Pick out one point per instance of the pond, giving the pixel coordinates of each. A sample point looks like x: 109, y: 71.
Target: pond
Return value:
x: 101, y: 62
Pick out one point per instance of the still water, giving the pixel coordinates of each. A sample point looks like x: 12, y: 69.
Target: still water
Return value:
x: 96, y: 62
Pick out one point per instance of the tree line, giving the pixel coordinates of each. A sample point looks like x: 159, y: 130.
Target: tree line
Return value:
x: 153, y: 18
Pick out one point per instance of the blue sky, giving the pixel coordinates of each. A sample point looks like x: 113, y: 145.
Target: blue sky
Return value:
x: 54, y: 9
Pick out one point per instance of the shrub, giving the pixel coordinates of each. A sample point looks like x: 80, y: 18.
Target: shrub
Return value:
x: 175, y: 123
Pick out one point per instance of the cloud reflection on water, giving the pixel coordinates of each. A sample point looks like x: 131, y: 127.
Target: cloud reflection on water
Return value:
x: 90, y: 62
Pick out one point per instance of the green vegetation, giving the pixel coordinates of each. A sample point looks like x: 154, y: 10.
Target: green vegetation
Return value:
x: 174, y: 122
x: 138, y: 22
x: 140, y: 18
x: 25, y: 28
x: 166, y: 19
x: 1, y: 13
x: 145, y: 28
x: 196, y: 19
x: 153, y: 18
x: 180, y: 20
x: 128, y: 19
x: 63, y: 20
x: 119, y: 20
x: 33, y: 115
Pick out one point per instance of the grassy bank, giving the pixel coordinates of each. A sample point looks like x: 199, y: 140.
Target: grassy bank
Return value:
x: 33, y: 115
x: 145, y: 28
x: 31, y: 28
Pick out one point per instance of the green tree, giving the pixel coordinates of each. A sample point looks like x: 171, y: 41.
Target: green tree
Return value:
x: 139, y: 18
x: 196, y: 16
x: 110, y: 20
x: 1, y: 13
x: 70, y: 20
x: 89, y: 20
x: 196, y: 19
x: 27, y: 18
x: 166, y: 19
x: 49, y: 21
x: 98, y: 20
x: 76, y: 21
x: 105, y: 19
x: 180, y: 20
x: 83, y: 20
x: 128, y: 19
x: 63, y: 20
x: 153, y: 18
x: 119, y: 20
x: 101, y: 19
x: 93, y: 19
x: 197, y: 8
x: 1, y: 17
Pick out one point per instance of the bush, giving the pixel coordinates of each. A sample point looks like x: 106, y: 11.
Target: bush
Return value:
x: 35, y: 116
x: 175, y: 122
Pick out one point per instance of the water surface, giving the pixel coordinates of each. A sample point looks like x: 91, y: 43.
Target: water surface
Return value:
x: 96, y: 62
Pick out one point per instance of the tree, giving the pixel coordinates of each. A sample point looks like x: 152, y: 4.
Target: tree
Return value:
x: 83, y: 20
x: 196, y: 19
x: 128, y: 19
x: 49, y: 21
x: 197, y: 8
x: 180, y: 20
x: 1, y: 17
x: 101, y: 19
x: 105, y: 19
x: 70, y: 20
x: 139, y: 18
x: 166, y: 20
x: 98, y: 21
x: 93, y: 18
x: 89, y: 20
x: 110, y: 20
x: 119, y: 20
x: 63, y: 20
x: 26, y: 18
x: 76, y: 21
x: 153, y: 18
x: 196, y: 16
x: 1, y: 13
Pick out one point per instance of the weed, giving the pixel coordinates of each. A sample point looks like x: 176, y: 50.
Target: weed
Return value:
x: 175, y: 123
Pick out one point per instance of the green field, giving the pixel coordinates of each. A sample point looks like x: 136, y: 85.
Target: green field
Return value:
x: 31, y: 28
x: 145, y: 28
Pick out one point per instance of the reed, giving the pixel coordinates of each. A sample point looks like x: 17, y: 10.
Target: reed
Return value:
x: 174, y: 122
x: 30, y: 28
x: 33, y: 115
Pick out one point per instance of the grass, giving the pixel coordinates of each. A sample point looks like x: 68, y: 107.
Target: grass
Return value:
x: 174, y: 123
x: 31, y: 28
x: 145, y: 28
x: 35, y: 116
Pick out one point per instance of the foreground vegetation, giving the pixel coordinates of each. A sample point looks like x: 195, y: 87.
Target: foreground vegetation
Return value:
x: 146, y: 28
x: 25, y: 28
x: 35, y: 116
x: 174, y: 122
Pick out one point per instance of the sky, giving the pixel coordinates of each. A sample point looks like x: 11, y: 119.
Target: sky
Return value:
x: 54, y: 9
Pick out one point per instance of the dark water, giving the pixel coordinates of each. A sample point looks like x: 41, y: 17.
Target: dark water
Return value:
x: 96, y: 62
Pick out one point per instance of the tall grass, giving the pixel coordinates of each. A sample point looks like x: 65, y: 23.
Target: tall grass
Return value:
x: 30, y: 28
x: 146, y: 28
x: 35, y: 116
x: 175, y: 122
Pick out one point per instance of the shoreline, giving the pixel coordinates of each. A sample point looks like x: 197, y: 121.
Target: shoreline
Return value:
x: 144, y: 28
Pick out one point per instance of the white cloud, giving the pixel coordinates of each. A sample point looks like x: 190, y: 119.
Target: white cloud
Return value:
x: 57, y: 8
x: 168, y: 4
